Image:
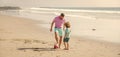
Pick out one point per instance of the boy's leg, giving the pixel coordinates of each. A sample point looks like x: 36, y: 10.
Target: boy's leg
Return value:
x: 67, y: 40
x: 67, y: 46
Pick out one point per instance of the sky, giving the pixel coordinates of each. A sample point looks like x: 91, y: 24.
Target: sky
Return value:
x: 61, y: 3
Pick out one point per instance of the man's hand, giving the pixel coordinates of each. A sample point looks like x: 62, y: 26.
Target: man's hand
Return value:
x: 51, y: 30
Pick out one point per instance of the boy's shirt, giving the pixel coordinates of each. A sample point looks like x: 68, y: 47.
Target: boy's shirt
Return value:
x: 67, y: 33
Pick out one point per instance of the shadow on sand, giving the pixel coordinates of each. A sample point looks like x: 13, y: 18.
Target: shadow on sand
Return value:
x: 37, y: 49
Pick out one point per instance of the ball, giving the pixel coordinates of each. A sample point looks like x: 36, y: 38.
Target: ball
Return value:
x: 55, y: 46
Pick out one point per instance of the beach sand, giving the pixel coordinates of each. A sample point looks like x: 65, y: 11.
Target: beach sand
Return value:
x: 21, y: 37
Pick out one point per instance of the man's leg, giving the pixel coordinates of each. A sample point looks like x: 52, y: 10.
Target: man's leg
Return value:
x: 60, y: 36
x: 56, y: 38
x: 60, y: 41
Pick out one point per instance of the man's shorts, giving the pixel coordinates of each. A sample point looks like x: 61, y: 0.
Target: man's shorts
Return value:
x: 66, y: 39
x: 59, y: 30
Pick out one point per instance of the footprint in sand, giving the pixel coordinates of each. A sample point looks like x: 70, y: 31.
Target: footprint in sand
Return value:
x: 93, y: 29
x: 41, y: 54
x: 58, y: 56
x: 118, y: 53
x: 24, y: 50
x: 22, y: 40
x: 44, y: 42
x: 37, y: 41
x: 27, y: 41
x: 2, y: 39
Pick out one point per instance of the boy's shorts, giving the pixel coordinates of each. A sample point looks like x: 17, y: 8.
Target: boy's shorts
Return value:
x: 66, y: 39
x: 59, y: 30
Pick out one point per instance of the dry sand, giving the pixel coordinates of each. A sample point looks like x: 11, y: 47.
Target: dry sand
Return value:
x: 20, y: 37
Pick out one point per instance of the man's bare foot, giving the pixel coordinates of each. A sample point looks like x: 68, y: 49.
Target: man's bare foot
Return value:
x: 64, y: 48
x: 67, y: 49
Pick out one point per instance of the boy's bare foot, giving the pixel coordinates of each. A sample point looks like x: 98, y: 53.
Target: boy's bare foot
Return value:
x: 66, y: 49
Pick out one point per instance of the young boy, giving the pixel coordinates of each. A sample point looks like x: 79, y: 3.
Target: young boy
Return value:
x: 67, y: 35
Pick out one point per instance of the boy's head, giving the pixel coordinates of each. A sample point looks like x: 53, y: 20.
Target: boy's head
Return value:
x: 67, y: 24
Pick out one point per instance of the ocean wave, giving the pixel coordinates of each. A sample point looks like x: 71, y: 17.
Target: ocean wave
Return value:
x: 68, y: 12
x: 57, y: 13
x: 73, y: 10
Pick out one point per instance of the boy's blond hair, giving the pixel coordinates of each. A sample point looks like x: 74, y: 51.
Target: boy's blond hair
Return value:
x: 67, y: 24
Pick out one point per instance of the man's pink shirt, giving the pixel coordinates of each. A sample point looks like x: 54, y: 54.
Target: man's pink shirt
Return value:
x: 58, y: 22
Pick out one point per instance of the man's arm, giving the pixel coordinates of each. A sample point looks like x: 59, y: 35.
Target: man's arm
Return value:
x: 51, y: 26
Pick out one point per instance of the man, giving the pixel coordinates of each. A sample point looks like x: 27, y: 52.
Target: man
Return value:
x: 59, y: 26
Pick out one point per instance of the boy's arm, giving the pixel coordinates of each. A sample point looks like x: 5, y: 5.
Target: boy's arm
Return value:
x: 65, y: 35
x: 64, y: 27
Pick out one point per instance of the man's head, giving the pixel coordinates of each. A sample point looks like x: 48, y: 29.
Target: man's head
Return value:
x: 62, y: 15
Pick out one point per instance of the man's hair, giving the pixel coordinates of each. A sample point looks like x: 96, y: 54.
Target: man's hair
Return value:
x: 62, y: 14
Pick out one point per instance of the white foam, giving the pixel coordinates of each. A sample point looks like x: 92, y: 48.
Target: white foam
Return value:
x: 68, y: 11
x: 55, y: 12
x: 71, y: 10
